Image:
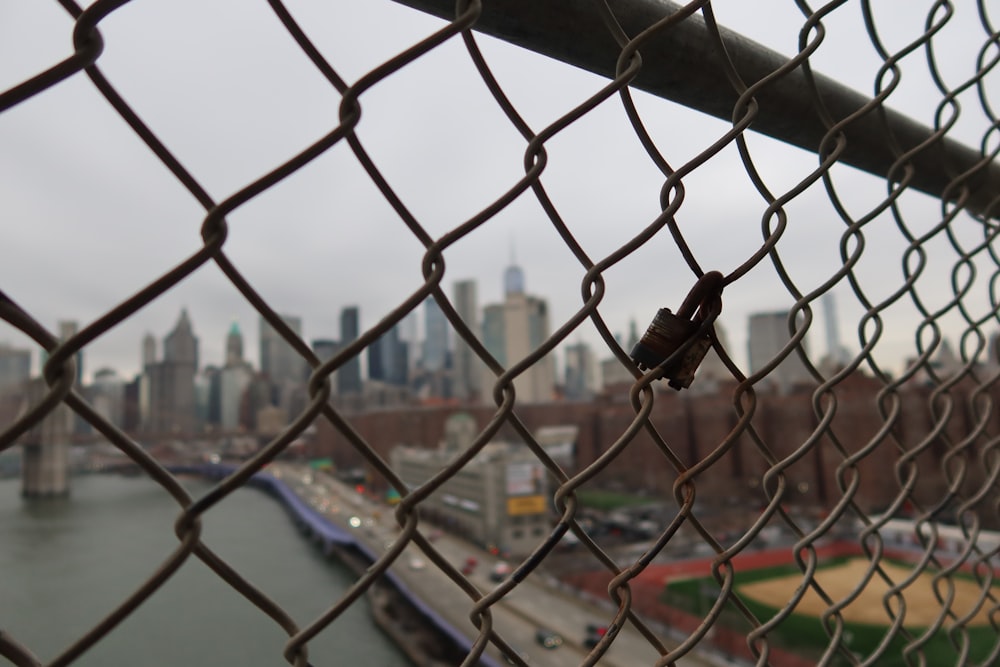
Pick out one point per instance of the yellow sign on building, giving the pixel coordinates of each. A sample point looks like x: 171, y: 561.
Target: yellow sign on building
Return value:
x: 519, y: 505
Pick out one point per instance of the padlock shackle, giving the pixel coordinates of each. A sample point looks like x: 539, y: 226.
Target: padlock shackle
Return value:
x: 708, y: 288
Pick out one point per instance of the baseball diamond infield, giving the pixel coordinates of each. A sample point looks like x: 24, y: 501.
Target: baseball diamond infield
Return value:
x: 839, y: 581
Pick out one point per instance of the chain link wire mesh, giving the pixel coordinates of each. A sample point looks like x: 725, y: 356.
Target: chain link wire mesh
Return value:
x: 912, y: 242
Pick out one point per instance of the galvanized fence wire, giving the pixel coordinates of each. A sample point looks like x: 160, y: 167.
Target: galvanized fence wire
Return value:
x: 968, y: 460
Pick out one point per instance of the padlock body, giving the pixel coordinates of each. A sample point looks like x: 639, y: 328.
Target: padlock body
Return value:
x: 665, y: 334
x: 683, y: 376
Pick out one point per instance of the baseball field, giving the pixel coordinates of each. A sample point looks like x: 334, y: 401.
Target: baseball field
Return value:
x: 767, y: 590
x: 922, y: 607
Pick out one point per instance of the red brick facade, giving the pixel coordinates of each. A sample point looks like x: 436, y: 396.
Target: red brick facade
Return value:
x: 784, y: 429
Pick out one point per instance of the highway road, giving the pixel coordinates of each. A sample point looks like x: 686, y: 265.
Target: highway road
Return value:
x: 537, y: 602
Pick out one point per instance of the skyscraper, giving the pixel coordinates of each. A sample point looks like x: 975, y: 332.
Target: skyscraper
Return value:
x: 233, y: 380
x: 514, y: 329
x: 148, y: 349
x: 467, y: 367
x: 581, y: 372
x: 234, y: 345
x: 107, y: 395
x: 837, y: 354
x: 435, y: 353
x: 279, y: 361
x: 387, y: 359
x: 325, y: 349
x: 15, y: 368
x: 768, y: 335
x: 349, y: 375
x: 172, y: 406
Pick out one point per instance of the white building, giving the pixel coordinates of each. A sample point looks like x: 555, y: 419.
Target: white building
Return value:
x: 467, y: 367
x: 512, y: 331
x: 500, y: 499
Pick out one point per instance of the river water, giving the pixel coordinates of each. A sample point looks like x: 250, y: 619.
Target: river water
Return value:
x: 64, y: 564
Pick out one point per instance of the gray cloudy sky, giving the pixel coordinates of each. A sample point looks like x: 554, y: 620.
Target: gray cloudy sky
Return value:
x: 89, y: 215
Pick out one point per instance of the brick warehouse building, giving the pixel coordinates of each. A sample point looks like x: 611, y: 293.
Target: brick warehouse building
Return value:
x: 694, y: 428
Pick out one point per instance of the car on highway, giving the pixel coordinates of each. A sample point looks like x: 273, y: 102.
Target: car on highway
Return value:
x: 593, y: 634
x: 500, y: 571
x: 548, y: 638
x: 469, y: 566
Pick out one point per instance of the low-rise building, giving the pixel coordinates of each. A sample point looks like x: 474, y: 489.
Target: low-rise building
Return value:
x: 500, y: 499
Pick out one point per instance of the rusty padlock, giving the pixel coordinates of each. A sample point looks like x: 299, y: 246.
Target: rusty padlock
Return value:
x: 668, y: 332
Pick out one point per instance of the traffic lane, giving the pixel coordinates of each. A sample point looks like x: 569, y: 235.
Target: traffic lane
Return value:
x: 455, y: 606
x: 538, y: 604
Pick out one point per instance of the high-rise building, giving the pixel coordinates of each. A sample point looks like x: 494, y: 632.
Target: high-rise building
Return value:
x: 234, y: 346
x: 768, y: 335
x: 106, y: 394
x: 466, y: 365
x: 172, y: 404
x: 837, y: 354
x: 581, y: 372
x: 15, y: 368
x: 233, y: 383
x: 180, y: 346
x: 281, y: 366
x: 712, y: 372
x: 387, y: 359
x: 513, y: 330
x: 435, y: 355
x: 148, y: 349
x: 349, y: 375
x: 279, y: 361
x: 326, y: 349
x: 234, y: 378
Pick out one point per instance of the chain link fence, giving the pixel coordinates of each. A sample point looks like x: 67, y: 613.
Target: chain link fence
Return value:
x: 800, y: 188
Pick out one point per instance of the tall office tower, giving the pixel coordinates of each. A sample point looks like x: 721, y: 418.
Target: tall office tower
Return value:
x: 234, y: 345
x: 172, y: 405
x: 106, y: 394
x: 836, y: 352
x: 232, y: 380
x: 279, y: 361
x: 208, y: 389
x: 514, y: 329
x: 467, y: 366
x: 581, y: 372
x: 143, y: 407
x: 435, y: 356
x: 349, y: 375
x: 409, y: 333
x: 326, y: 349
x: 387, y: 359
x: 767, y: 336
x: 148, y: 349
x: 15, y: 368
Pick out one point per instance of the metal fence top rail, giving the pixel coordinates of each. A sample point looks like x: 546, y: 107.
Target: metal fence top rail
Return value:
x: 681, y: 62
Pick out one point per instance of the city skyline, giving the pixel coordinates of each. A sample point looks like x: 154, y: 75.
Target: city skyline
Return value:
x: 214, y: 351
x: 447, y: 156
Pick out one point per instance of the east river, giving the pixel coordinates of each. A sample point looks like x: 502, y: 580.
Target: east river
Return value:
x: 65, y: 564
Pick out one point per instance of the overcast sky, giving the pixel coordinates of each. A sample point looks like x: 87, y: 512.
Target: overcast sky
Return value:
x: 89, y: 215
